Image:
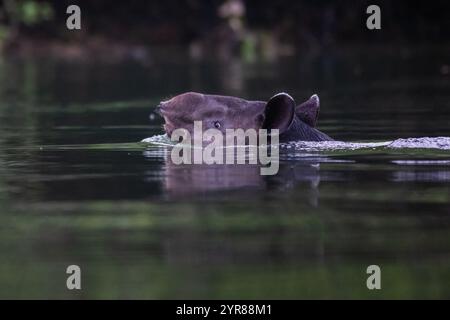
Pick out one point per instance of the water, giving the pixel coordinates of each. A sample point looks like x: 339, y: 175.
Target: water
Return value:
x: 77, y: 185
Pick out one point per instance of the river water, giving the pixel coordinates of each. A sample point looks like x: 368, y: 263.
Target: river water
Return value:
x: 77, y: 185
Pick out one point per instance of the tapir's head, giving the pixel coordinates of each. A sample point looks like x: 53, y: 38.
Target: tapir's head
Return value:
x: 222, y: 112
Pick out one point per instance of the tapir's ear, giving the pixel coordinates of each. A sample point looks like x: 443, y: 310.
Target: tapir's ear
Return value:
x: 279, y: 112
x: 308, y: 111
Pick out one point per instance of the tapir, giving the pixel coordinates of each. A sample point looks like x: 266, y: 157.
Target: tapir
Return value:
x: 294, y: 122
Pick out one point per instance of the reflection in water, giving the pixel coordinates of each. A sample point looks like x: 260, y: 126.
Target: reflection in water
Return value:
x: 186, y: 180
x: 422, y: 176
x: 422, y: 170
x: 191, y: 179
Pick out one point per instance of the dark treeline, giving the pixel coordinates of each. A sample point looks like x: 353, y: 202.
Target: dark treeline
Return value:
x: 185, y: 21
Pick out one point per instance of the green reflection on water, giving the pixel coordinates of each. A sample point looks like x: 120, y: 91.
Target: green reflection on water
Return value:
x: 77, y: 187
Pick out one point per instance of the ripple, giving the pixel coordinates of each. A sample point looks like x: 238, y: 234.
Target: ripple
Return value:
x: 421, y: 162
x: 421, y: 176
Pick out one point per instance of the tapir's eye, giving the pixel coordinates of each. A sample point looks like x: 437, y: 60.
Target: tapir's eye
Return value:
x: 217, y: 124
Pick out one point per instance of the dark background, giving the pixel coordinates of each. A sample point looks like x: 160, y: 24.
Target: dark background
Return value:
x: 301, y: 24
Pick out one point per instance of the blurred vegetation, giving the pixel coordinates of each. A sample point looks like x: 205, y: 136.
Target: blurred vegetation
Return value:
x: 245, y: 26
x: 30, y: 13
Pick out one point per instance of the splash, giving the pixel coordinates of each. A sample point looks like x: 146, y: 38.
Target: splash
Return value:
x: 161, y: 139
x: 310, y: 146
x: 440, y: 143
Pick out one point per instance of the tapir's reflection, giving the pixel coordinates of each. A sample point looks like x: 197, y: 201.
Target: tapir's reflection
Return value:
x: 189, y: 180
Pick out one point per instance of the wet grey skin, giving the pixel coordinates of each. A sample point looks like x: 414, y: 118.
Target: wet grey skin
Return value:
x: 294, y: 122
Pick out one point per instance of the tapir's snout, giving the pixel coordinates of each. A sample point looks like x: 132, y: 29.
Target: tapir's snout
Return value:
x: 171, y: 115
x: 156, y: 110
x: 160, y: 109
x: 164, y: 110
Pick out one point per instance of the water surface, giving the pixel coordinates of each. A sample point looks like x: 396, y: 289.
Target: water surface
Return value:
x: 78, y: 187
